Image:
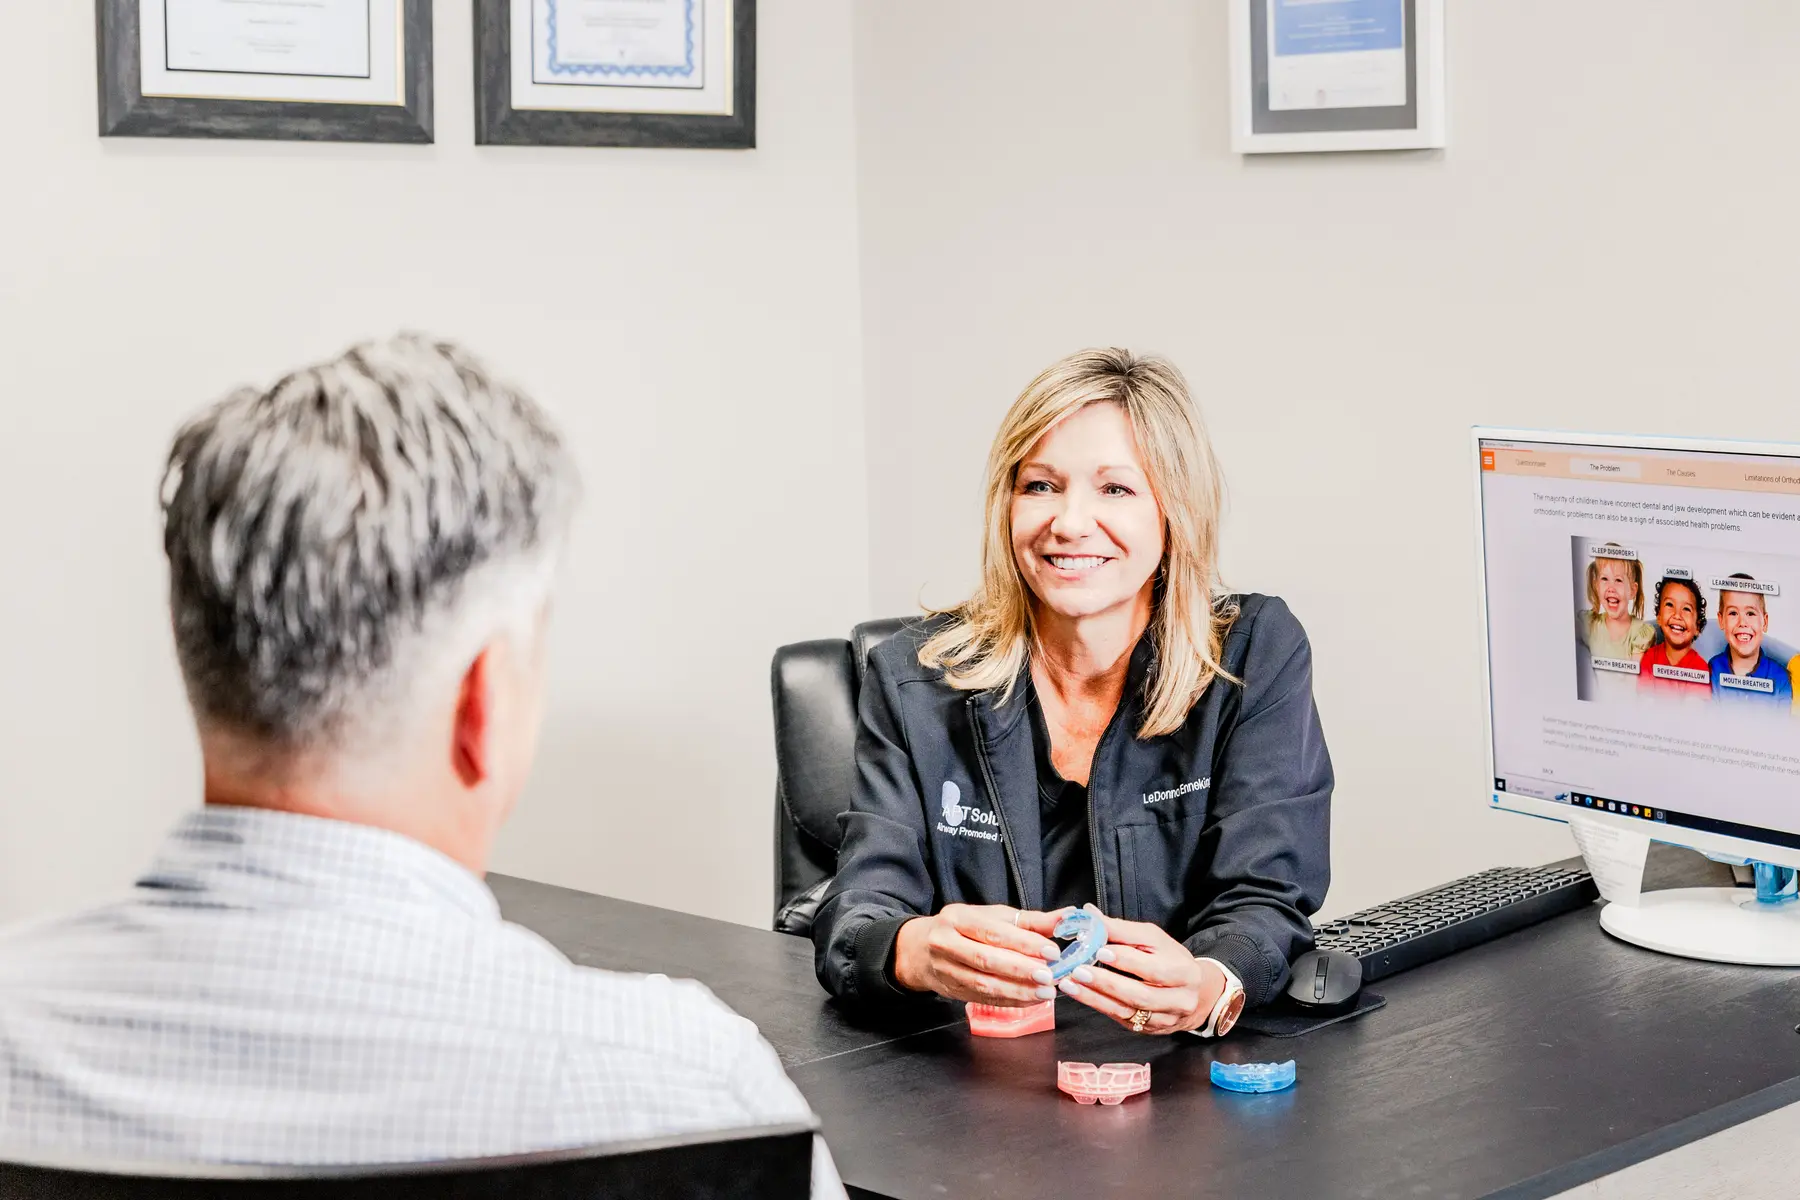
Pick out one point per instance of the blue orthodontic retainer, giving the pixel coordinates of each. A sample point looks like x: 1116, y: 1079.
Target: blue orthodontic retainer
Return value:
x: 1253, y: 1077
x: 1089, y: 932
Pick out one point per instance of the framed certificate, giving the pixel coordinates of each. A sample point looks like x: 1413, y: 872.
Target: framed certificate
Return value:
x: 1309, y: 75
x: 307, y: 70
x: 616, y: 73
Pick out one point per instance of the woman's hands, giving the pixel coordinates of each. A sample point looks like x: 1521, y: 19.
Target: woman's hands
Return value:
x: 1147, y: 970
x: 994, y: 954
x: 989, y: 954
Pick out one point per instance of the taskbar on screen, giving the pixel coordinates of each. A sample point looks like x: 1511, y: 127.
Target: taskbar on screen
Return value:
x: 1662, y: 816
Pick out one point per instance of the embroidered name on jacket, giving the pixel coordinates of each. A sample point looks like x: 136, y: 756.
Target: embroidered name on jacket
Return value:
x: 960, y: 819
x: 1192, y: 785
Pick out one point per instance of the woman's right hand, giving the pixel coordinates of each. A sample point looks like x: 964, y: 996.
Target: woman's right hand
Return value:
x: 988, y: 954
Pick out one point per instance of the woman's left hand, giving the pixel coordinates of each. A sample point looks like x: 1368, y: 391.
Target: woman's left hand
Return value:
x: 1145, y: 970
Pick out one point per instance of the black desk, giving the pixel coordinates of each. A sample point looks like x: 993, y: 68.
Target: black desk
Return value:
x: 1520, y: 1068
x: 766, y: 976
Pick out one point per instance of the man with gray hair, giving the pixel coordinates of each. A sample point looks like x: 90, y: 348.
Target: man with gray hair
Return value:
x: 312, y: 971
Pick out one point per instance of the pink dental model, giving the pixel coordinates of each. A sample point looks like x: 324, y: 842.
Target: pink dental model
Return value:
x: 992, y: 1020
x: 1109, y: 1083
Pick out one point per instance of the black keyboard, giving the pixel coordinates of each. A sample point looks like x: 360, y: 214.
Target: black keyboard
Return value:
x: 1422, y: 928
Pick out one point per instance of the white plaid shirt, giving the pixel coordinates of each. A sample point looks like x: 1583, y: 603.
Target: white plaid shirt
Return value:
x: 289, y: 989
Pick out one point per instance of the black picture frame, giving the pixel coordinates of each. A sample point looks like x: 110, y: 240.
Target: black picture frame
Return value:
x: 498, y: 123
x: 126, y: 112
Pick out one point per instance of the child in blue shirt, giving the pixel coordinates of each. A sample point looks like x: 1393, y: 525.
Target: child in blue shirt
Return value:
x: 1742, y: 671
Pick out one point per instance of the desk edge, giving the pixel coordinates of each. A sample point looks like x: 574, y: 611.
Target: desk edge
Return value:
x: 1648, y: 1145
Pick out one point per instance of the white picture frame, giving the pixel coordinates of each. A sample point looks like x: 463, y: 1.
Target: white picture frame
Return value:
x: 1352, y: 86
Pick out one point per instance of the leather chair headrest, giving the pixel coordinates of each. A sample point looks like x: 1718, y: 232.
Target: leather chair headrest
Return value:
x: 815, y: 733
x: 870, y: 634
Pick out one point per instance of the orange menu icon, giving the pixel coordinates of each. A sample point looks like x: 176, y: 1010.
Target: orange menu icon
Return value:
x: 1487, y: 460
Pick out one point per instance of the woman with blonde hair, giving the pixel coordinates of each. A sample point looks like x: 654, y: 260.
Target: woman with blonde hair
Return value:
x: 1098, y: 724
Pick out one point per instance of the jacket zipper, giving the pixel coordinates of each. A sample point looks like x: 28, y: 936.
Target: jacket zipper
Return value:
x: 987, y: 777
x: 1094, y: 821
x: 1125, y: 711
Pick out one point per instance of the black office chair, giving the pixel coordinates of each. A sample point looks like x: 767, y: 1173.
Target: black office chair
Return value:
x: 746, y: 1164
x: 815, y: 687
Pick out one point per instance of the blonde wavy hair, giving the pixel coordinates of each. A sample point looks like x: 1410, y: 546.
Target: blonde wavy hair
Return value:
x: 989, y: 640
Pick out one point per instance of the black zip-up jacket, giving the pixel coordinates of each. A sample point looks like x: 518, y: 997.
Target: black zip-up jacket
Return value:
x: 1218, y: 832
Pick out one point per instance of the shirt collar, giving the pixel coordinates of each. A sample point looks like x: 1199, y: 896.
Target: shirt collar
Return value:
x: 1764, y: 664
x: 256, y: 855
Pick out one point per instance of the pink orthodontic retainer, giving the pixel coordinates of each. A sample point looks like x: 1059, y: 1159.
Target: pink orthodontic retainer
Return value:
x: 1108, y: 1083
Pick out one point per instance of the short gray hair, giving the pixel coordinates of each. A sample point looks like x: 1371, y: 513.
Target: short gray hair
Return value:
x: 317, y: 530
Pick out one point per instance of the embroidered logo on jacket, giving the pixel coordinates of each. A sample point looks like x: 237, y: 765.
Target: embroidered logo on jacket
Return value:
x: 1192, y: 785
x: 956, y: 812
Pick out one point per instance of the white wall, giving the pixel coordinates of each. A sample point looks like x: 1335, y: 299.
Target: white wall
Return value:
x: 1607, y: 244
x: 691, y: 317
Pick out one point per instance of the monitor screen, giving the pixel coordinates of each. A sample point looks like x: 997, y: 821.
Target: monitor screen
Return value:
x: 1643, y: 628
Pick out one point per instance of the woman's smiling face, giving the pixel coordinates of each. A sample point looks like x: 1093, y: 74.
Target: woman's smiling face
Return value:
x: 1087, y: 533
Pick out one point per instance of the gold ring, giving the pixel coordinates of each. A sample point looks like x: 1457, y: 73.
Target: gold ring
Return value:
x: 1138, y: 1019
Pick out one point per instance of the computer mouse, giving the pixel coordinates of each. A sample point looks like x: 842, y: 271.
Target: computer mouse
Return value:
x: 1325, y: 981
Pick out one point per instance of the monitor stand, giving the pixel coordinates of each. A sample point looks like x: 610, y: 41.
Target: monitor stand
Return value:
x: 1733, y: 925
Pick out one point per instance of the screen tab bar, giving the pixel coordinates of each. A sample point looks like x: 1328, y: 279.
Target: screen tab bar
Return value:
x: 1720, y: 472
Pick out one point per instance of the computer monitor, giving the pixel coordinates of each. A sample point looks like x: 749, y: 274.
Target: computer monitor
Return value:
x: 1641, y: 598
